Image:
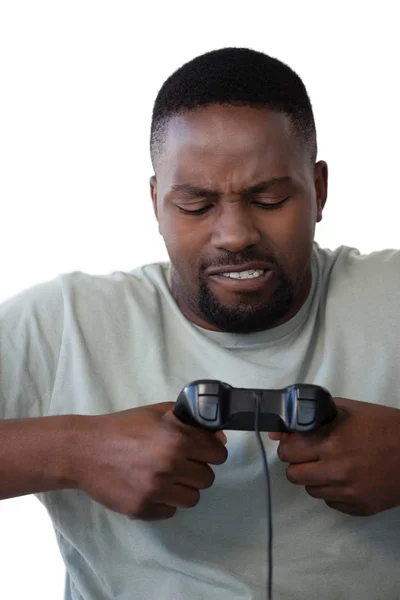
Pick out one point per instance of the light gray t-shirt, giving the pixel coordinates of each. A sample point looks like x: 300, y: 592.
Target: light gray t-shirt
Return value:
x: 96, y: 344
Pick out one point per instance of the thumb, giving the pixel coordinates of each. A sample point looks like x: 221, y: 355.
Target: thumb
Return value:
x: 162, y: 408
x: 170, y: 417
x: 345, y: 404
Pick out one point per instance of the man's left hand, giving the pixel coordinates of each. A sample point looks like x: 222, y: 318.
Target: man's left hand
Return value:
x: 353, y: 464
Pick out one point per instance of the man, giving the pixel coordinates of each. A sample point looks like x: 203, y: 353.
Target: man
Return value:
x: 91, y: 367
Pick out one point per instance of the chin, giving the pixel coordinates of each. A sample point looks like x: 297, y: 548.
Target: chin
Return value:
x: 233, y: 319
x: 245, y: 312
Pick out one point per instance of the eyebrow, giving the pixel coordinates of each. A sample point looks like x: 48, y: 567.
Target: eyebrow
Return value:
x: 195, y: 191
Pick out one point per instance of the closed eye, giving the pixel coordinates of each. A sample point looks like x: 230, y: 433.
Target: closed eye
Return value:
x: 204, y: 209
x: 271, y: 205
x: 199, y: 211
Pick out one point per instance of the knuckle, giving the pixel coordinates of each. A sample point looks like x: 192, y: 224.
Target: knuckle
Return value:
x: 168, y: 458
x: 151, y: 487
x: 350, y: 493
x: 329, y: 446
x: 172, y: 437
x: 166, y: 464
x: 344, y: 471
x: 175, y: 440
x: 339, y: 471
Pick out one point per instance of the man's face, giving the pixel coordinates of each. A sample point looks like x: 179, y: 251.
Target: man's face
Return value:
x: 237, y: 200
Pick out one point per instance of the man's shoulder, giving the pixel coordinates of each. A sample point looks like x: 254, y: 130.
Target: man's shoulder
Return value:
x: 42, y: 298
x: 143, y: 281
x: 82, y: 291
x: 347, y: 265
x: 360, y: 283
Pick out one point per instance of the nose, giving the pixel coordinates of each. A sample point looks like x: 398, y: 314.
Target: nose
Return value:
x: 234, y: 229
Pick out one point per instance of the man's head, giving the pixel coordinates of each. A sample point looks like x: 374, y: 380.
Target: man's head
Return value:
x: 237, y: 188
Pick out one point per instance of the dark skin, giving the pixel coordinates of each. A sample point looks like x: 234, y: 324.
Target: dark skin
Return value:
x: 213, y: 161
x: 143, y: 462
x: 352, y: 464
x: 261, y: 198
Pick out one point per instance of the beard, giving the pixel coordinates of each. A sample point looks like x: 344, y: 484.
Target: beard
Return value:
x: 250, y: 313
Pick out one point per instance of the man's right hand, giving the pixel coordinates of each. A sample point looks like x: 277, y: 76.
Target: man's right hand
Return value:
x: 143, y: 462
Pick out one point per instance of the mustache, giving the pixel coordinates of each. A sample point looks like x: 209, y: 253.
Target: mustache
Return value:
x: 235, y: 260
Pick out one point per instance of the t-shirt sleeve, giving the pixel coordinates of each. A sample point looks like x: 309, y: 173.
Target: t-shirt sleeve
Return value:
x: 31, y: 328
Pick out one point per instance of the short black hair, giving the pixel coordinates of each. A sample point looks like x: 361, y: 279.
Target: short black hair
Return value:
x: 239, y: 77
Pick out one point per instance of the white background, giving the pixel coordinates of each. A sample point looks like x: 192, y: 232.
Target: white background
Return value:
x: 77, y: 84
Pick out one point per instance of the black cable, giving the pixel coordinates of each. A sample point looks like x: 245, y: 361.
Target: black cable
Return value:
x: 257, y: 398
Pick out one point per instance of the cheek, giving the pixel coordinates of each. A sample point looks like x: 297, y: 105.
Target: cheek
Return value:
x: 183, y: 242
x: 292, y: 233
x: 289, y: 225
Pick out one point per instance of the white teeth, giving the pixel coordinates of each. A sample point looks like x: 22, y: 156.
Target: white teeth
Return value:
x: 245, y: 274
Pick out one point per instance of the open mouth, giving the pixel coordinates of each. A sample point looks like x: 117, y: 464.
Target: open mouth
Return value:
x: 251, y: 274
x: 253, y: 279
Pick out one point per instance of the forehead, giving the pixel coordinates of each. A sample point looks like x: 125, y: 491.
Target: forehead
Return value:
x: 234, y: 143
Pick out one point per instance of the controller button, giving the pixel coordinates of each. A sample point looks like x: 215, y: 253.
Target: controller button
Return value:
x: 208, y: 407
x: 306, y: 412
x: 208, y: 389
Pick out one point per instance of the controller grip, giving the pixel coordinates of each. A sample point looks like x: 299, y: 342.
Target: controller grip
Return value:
x: 204, y: 404
x: 215, y: 405
x: 183, y: 411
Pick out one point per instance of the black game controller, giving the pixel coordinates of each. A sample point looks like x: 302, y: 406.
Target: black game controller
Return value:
x: 214, y: 405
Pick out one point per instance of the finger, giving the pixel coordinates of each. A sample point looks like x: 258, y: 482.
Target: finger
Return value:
x: 201, y: 445
x: 345, y: 405
x: 180, y: 496
x: 314, y: 473
x: 329, y: 493
x: 163, y: 408
x: 171, y: 418
x: 154, y: 512
x: 320, y: 472
x: 348, y: 509
x: 300, y: 447
x: 204, y: 446
x: 279, y: 435
x: 196, y: 474
x: 213, y: 454
x: 220, y: 435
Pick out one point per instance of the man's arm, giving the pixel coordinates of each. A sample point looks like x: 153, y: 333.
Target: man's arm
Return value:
x: 31, y: 329
x: 142, y: 462
x: 34, y: 449
x: 36, y: 455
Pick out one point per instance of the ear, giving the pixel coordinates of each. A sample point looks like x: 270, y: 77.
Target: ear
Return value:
x: 153, y: 192
x: 321, y: 186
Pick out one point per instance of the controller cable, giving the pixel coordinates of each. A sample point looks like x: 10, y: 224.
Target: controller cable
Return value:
x: 257, y: 399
